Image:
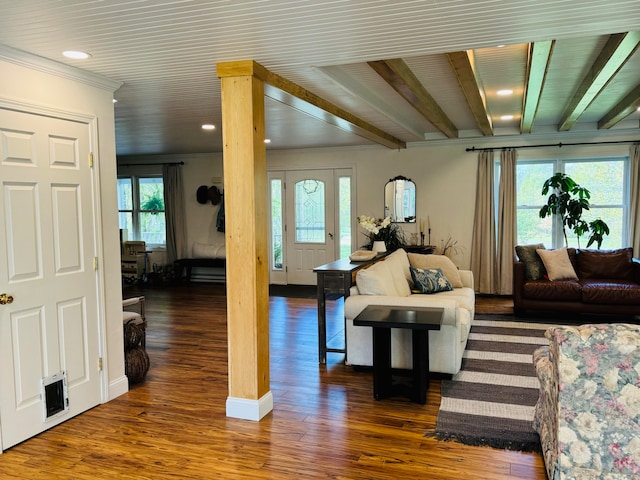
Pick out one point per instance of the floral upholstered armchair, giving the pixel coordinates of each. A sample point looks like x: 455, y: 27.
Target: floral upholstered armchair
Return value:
x: 588, y: 413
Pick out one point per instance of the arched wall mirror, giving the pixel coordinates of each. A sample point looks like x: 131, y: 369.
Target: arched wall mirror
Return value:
x: 400, y: 200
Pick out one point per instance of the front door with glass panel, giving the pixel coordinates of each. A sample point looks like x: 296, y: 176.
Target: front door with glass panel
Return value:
x: 310, y: 223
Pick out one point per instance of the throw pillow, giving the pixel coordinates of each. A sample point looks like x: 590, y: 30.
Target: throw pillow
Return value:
x: 606, y: 264
x: 442, y: 262
x: 533, y: 266
x: 376, y: 280
x: 430, y: 280
x: 557, y: 264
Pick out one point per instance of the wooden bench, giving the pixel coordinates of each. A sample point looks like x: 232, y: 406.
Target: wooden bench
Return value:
x: 187, y: 265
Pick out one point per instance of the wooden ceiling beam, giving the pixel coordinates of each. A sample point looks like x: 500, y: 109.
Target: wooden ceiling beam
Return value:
x: 537, y: 68
x: 464, y: 68
x: 618, y: 49
x: 284, y: 91
x: 622, y: 110
x: 400, y: 77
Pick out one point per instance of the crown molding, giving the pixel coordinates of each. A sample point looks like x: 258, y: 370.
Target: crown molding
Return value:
x: 51, y: 67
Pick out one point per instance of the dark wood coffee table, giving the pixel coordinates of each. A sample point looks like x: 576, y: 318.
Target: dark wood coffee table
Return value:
x: 420, y: 320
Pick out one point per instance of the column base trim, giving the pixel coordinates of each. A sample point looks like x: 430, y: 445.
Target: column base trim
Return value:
x: 249, y: 409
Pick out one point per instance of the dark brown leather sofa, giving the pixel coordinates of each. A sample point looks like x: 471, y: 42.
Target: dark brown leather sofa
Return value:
x: 608, y: 283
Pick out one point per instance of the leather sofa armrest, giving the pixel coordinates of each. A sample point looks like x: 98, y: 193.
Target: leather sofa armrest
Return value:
x: 636, y: 269
x: 518, y: 282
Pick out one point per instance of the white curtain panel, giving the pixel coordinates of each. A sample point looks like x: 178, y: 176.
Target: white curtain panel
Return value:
x: 506, y: 221
x: 483, y: 243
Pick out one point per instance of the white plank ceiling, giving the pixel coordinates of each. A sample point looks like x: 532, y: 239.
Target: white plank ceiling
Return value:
x: 165, y: 52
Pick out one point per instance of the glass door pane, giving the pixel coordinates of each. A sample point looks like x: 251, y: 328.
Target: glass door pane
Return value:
x: 309, y: 211
x: 276, y: 224
x: 344, y: 216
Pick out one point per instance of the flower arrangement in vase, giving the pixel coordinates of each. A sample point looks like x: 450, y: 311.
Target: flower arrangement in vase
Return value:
x: 381, y: 230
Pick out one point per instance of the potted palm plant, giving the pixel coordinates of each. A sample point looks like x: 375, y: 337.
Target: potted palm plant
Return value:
x: 569, y: 201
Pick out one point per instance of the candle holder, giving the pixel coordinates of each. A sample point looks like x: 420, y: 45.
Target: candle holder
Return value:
x: 429, y: 237
x: 422, y: 238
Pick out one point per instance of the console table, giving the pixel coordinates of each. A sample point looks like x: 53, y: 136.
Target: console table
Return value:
x: 422, y: 249
x: 382, y: 319
x: 335, y: 279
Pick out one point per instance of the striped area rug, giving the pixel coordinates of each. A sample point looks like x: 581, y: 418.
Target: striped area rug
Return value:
x: 491, y: 400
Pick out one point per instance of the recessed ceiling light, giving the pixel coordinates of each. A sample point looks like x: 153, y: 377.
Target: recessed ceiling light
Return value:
x: 208, y: 126
x: 267, y: 140
x: 638, y: 109
x: 505, y: 91
x: 506, y: 117
x: 115, y: 100
x: 76, y: 55
x: 500, y: 46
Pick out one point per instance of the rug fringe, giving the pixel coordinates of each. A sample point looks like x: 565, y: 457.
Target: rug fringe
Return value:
x: 533, y: 446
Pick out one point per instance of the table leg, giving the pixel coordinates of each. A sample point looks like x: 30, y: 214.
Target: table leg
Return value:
x: 420, y: 340
x: 322, y: 322
x: 382, y: 377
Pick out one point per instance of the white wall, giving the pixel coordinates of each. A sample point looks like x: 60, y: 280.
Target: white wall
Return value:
x: 444, y: 173
x: 202, y: 170
x: 34, y: 81
x: 434, y: 170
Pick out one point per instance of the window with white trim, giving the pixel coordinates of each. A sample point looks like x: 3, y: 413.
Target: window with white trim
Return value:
x: 141, y: 208
x: 607, y: 179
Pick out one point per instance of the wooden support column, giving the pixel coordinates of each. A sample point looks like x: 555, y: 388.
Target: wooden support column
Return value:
x: 245, y: 201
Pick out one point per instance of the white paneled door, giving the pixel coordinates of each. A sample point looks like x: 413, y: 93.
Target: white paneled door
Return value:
x: 310, y: 223
x: 49, y: 326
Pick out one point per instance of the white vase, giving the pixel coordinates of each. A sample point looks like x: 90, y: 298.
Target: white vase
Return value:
x: 379, y: 246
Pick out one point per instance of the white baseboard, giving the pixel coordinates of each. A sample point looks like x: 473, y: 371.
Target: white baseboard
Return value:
x: 118, y: 387
x: 249, y: 409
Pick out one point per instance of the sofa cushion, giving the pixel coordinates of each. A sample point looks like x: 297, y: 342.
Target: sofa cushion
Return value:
x: 557, y: 264
x: 533, y: 266
x: 563, y: 290
x: 376, y: 280
x: 465, y: 297
x: 442, y: 262
x: 611, y: 291
x: 430, y: 280
x: 398, y: 263
x: 386, y: 277
x: 605, y: 264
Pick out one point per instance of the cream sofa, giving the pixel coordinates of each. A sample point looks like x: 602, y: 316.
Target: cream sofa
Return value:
x: 389, y: 282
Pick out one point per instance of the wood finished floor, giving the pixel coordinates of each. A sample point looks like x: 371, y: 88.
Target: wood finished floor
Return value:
x: 325, y: 422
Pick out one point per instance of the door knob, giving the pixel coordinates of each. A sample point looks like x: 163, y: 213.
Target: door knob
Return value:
x: 4, y: 299
x: 331, y: 236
